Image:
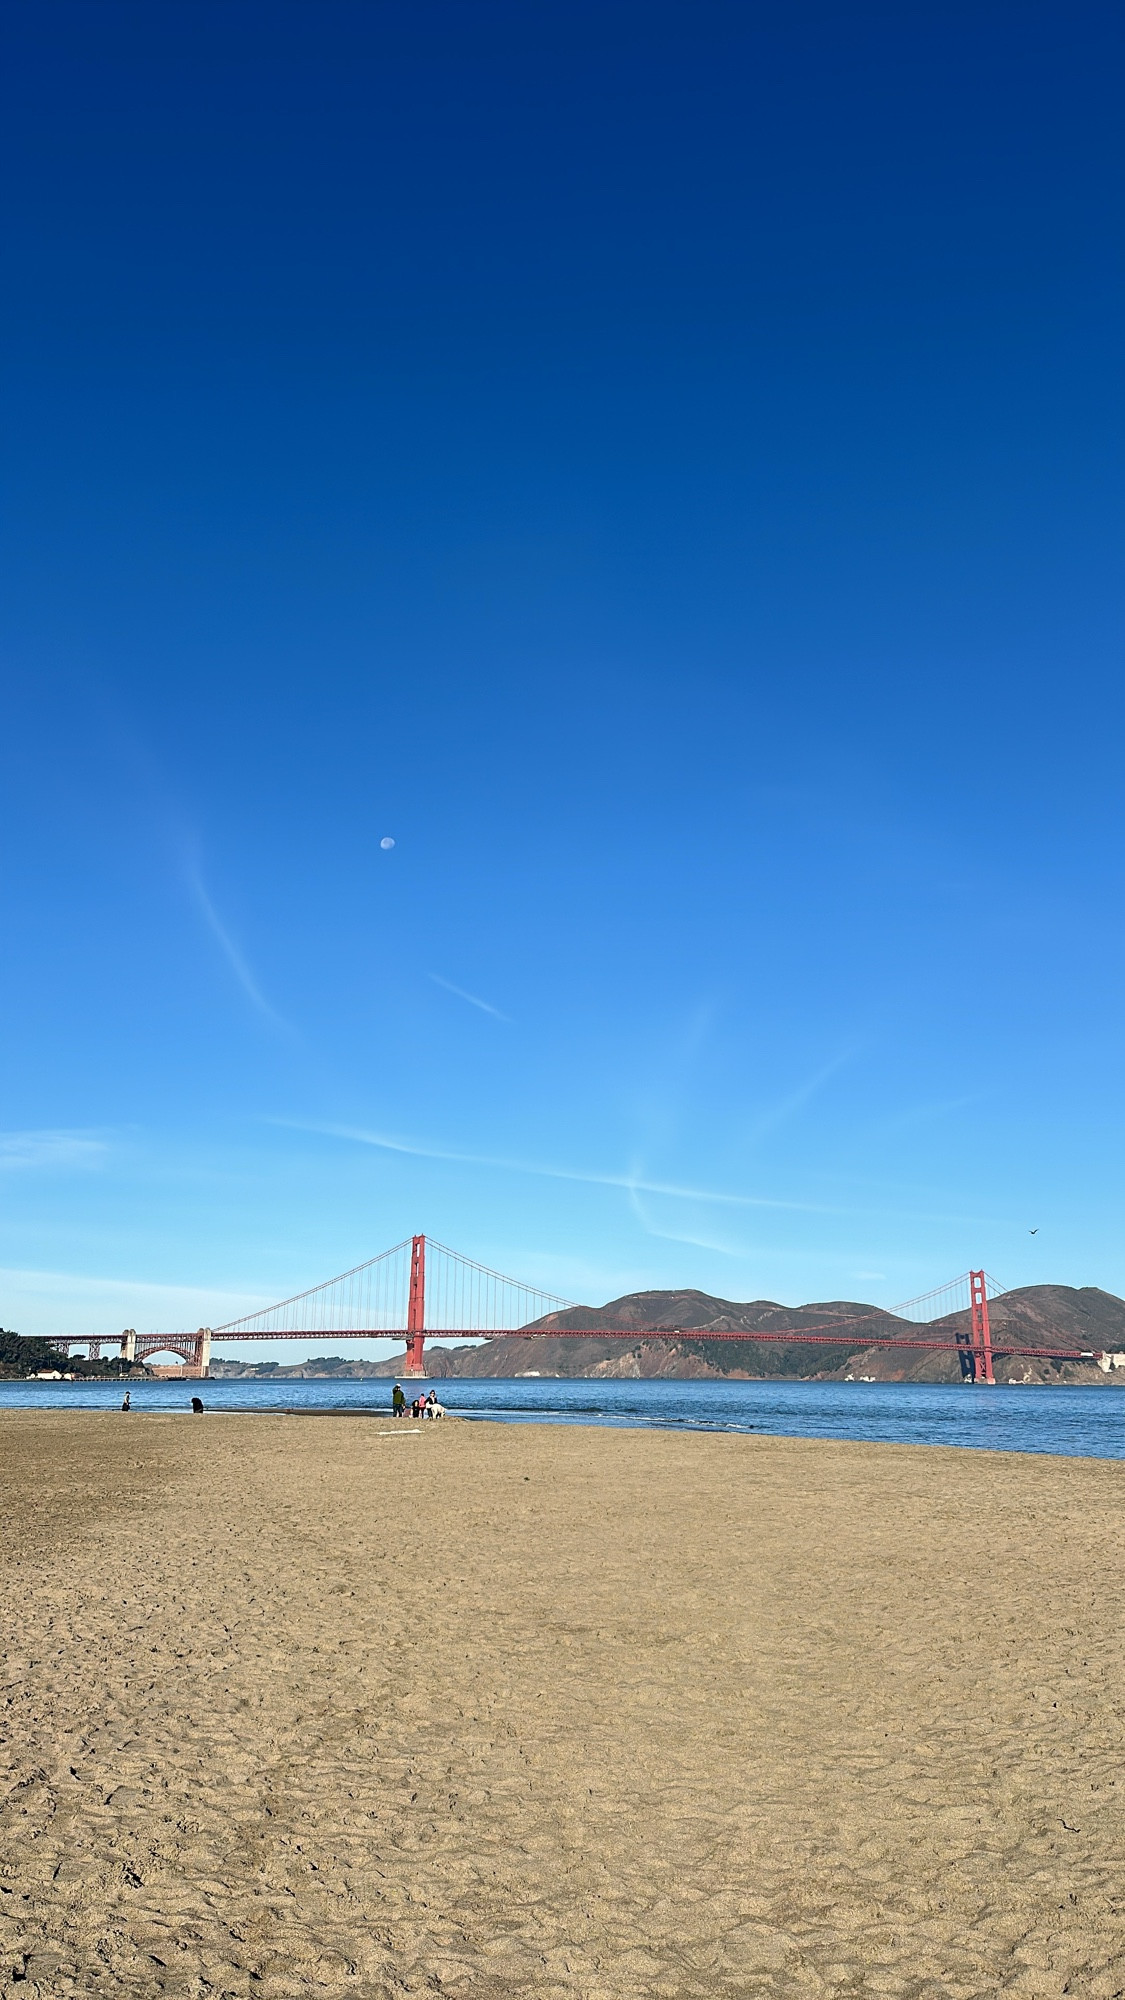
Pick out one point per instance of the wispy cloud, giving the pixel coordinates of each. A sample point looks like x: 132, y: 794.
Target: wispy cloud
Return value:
x: 627, y: 1181
x: 659, y: 1104
x: 924, y: 1114
x: 65, y: 1283
x: 65, y: 1150
x: 691, y: 1237
x: 231, y: 952
x: 80, y: 1305
x: 485, y: 1006
x: 789, y: 1106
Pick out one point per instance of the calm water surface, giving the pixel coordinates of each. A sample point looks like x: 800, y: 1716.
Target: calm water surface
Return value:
x: 1079, y: 1423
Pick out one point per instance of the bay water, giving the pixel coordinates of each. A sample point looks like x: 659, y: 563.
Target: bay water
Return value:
x: 1077, y: 1423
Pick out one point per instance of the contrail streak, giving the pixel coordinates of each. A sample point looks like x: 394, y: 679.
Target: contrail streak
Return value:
x: 232, y: 953
x: 485, y: 1006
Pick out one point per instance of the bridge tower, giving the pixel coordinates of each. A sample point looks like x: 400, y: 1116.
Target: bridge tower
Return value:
x: 416, y: 1308
x: 981, y: 1332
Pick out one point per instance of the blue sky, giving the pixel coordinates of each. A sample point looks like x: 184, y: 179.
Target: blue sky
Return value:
x: 662, y: 466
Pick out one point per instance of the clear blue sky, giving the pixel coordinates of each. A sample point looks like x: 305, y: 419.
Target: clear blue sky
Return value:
x: 661, y: 465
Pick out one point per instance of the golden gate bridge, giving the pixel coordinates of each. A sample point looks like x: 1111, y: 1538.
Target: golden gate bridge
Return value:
x: 421, y: 1290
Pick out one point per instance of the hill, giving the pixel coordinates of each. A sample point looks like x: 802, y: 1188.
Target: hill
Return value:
x: 689, y: 1312
x: 1032, y: 1316
x: 1029, y: 1316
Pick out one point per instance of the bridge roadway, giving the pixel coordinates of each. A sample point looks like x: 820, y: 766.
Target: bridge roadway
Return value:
x: 843, y: 1337
x: 474, y: 1298
x: 395, y: 1282
x: 195, y: 1349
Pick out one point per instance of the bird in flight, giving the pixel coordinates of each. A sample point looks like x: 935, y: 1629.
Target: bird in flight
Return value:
x: 1033, y: 1232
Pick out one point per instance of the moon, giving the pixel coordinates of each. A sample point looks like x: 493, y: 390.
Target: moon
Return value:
x: 386, y: 841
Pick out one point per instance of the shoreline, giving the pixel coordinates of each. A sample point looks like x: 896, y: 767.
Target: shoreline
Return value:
x: 1033, y: 1423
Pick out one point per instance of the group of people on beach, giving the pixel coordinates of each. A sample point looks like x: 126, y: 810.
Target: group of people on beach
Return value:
x: 422, y: 1406
x: 196, y: 1404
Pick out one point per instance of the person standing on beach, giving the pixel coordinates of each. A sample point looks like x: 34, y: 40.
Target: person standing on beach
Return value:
x: 127, y: 1405
x: 398, y: 1400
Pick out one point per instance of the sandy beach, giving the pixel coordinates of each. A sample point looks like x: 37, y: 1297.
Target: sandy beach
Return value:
x: 301, y: 1706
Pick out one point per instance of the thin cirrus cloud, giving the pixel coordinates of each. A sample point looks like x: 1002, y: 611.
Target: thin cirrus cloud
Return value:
x: 791, y: 1105
x: 86, y: 1305
x: 696, y: 1241
x: 924, y: 1114
x: 485, y: 1006
x: 232, y: 954
x: 629, y: 1182
x: 20, y: 1151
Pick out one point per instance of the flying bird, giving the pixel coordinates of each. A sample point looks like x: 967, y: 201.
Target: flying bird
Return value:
x: 1033, y: 1232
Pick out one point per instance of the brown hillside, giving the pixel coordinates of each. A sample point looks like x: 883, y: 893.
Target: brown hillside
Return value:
x: 1029, y: 1316
x: 1032, y: 1316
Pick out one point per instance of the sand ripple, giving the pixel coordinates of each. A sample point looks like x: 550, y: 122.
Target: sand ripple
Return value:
x: 297, y: 1707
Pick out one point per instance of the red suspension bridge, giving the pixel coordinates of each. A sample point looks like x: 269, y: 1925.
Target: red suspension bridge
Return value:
x: 421, y: 1290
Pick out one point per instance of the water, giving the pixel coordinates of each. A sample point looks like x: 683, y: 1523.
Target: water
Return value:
x: 1078, y: 1423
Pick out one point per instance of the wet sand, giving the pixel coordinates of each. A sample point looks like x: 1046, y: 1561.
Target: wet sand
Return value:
x: 300, y: 1706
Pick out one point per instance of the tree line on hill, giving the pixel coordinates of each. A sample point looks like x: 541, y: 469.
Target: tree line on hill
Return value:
x: 22, y: 1355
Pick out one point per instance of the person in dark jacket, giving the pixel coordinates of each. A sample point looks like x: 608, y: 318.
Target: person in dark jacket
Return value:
x: 398, y: 1400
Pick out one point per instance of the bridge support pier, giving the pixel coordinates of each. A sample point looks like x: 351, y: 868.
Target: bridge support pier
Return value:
x: 416, y: 1309
x: 200, y: 1364
x: 128, y: 1345
x: 981, y: 1331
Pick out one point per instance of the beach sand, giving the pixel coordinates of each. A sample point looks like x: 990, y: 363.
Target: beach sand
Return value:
x: 324, y: 1706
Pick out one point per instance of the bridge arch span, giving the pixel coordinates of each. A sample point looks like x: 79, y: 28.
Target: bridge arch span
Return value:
x: 193, y: 1349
